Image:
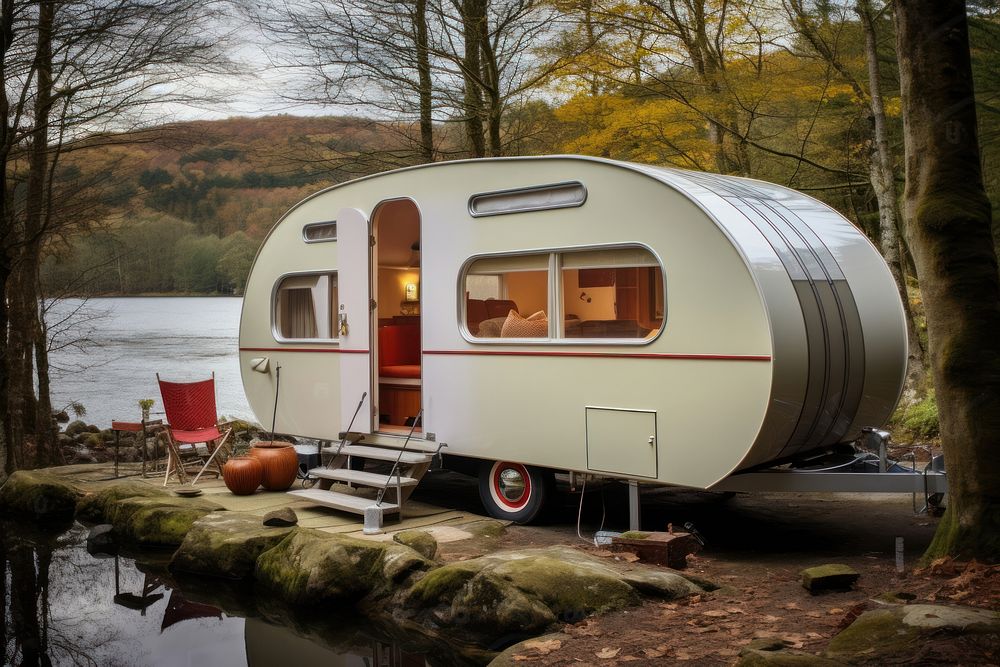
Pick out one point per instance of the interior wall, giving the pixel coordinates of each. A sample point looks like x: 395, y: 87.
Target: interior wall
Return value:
x: 529, y: 290
x: 391, y: 289
x: 602, y: 299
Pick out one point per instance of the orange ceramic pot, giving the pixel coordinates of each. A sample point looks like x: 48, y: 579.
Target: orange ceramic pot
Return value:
x: 242, y: 475
x: 279, y: 461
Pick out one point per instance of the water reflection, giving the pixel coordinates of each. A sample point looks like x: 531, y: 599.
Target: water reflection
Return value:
x: 64, y: 606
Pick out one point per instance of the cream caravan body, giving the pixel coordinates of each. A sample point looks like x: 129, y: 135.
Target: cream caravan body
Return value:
x: 742, y: 322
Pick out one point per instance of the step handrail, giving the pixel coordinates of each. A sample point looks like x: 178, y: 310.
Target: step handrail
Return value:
x: 381, y: 493
x: 343, y: 440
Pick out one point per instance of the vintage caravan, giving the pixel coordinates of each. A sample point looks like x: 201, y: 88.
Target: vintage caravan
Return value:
x: 567, y: 314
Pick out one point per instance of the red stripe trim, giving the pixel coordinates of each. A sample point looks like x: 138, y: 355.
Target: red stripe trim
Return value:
x: 327, y: 350
x: 533, y: 353
x: 605, y: 355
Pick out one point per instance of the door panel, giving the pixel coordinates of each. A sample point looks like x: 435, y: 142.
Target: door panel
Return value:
x: 354, y: 311
x: 621, y: 441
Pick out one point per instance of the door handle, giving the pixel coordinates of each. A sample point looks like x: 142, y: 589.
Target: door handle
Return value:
x: 343, y: 324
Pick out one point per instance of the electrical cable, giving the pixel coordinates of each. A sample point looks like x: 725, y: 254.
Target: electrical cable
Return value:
x: 579, y: 513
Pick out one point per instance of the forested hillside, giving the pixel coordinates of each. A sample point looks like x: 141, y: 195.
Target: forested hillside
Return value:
x: 190, y: 202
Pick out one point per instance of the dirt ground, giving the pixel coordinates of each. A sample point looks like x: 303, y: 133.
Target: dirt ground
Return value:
x: 755, y: 547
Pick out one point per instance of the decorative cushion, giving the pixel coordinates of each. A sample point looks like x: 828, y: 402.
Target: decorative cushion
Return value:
x: 491, y: 328
x: 400, y: 371
x: 534, y: 326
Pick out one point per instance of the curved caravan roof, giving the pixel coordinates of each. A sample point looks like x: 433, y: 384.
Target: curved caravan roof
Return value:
x: 752, y: 271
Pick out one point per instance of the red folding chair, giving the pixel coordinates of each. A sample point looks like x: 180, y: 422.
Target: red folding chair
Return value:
x: 191, y: 419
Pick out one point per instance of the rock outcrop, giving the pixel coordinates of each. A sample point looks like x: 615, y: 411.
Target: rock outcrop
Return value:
x: 832, y: 577
x: 38, y: 496
x: 226, y: 544
x: 310, y: 567
x: 93, y: 507
x: 156, y: 521
x: 889, y: 631
x: 524, y: 592
x: 419, y: 540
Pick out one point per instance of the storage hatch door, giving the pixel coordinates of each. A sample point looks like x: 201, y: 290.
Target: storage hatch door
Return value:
x: 622, y: 441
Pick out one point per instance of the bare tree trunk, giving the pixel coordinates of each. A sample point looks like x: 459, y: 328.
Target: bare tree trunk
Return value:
x: 8, y: 462
x: 949, y: 229
x: 49, y: 453
x: 883, y: 183
x: 494, y: 105
x: 473, y: 27
x: 594, y: 80
x: 24, y: 326
x: 425, y: 83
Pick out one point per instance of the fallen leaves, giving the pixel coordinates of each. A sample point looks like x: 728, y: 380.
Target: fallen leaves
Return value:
x: 544, y: 646
x: 653, y: 653
x: 608, y: 653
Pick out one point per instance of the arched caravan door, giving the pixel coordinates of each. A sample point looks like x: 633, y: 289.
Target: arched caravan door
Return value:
x: 354, y: 318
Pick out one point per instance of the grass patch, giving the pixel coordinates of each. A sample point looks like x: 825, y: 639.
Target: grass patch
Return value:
x: 918, y: 421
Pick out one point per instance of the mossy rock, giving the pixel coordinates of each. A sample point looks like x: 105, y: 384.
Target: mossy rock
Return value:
x: 664, y: 584
x: 486, y: 528
x: 40, y: 496
x: 832, y: 577
x: 572, y: 592
x: 76, y: 427
x: 226, y: 544
x: 399, y: 562
x: 419, y: 540
x: 93, y: 507
x: 441, y: 585
x: 525, y: 591
x: 490, y: 604
x: 310, y: 567
x: 884, y: 632
x: 156, y: 521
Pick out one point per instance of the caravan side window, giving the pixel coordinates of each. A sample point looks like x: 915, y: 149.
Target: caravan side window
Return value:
x: 508, y: 297
x: 612, y: 293
x: 305, y: 307
x: 598, y: 294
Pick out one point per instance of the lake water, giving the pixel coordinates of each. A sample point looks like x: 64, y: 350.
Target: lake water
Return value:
x: 63, y: 606
x: 107, y: 352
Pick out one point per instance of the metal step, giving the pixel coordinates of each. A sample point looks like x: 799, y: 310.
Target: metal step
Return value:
x: 362, y: 477
x: 396, y: 440
x: 382, y: 454
x: 342, y: 501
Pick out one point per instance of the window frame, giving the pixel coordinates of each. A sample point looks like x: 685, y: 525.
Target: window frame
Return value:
x: 556, y: 333
x: 335, y: 308
x: 312, y: 225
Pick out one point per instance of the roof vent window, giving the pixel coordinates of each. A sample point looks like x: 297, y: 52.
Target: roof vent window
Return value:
x: 318, y: 232
x: 522, y: 200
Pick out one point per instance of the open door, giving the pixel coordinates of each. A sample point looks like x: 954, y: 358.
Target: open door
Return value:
x: 354, y: 318
x: 396, y: 258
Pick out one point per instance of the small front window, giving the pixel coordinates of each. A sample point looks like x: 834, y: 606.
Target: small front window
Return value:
x: 305, y: 307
